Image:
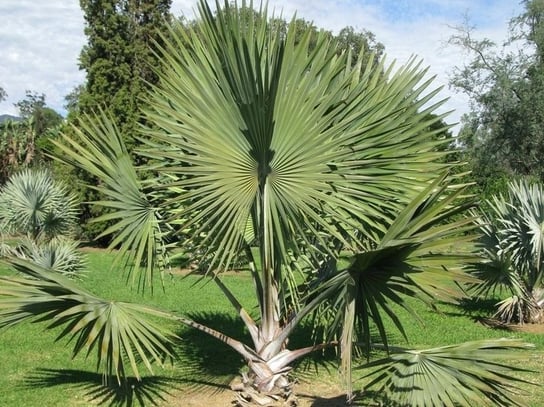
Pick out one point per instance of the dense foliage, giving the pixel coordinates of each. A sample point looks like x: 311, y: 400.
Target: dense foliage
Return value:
x: 320, y: 168
x: 317, y: 163
x: 503, y: 135
x: 23, y: 141
x: 120, y: 62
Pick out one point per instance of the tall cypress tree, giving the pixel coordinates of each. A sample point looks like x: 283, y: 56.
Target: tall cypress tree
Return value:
x: 118, y: 57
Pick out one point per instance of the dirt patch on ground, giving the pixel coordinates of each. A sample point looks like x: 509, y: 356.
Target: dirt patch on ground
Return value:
x: 527, y: 328
x: 309, y: 394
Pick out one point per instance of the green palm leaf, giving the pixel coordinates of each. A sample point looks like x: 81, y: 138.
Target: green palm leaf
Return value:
x: 137, y: 228
x: 415, y: 258
x: 119, y: 332
x: 472, y: 373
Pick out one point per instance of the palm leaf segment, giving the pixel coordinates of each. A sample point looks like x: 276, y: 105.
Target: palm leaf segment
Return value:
x: 136, y: 225
x: 118, y: 331
x: 473, y: 373
x: 292, y: 138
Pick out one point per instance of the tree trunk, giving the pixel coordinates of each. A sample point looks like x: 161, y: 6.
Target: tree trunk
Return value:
x: 262, y: 387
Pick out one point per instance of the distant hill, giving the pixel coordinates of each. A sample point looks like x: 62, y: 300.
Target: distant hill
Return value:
x: 5, y: 117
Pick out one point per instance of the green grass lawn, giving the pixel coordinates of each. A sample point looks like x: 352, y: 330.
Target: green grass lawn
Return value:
x: 37, y: 371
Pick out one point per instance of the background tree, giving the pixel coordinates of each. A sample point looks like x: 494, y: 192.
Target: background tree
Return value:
x: 16, y: 147
x: 33, y: 101
x: 119, y: 63
x: 357, y: 41
x: 34, y: 108
x: 118, y: 58
x: 71, y: 101
x: 3, y: 94
x: 348, y: 39
x: 23, y: 142
x: 503, y: 136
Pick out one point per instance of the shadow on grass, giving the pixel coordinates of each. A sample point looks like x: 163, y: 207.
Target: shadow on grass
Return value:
x: 148, y: 391
x: 479, y: 306
x: 203, y: 364
x: 200, y: 354
x: 481, y: 310
x: 338, y: 401
x: 476, y: 308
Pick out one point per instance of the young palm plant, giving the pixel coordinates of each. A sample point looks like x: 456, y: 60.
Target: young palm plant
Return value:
x: 35, y: 205
x: 37, y: 221
x: 323, y: 173
x: 513, y: 245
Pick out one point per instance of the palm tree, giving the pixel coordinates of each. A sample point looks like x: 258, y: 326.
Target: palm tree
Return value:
x: 294, y: 158
x: 513, y: 246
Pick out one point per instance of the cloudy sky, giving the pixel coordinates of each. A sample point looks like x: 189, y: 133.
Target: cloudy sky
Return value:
x: 40, y: 40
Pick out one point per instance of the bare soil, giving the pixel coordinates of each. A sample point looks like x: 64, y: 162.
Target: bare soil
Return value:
x: 528, y: 328
x: 310, y: 394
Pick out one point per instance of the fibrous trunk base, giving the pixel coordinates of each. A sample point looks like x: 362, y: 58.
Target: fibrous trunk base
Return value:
x: 248, y: 394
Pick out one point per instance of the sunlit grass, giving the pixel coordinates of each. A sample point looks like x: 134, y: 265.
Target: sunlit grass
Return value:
x: 37, y: 371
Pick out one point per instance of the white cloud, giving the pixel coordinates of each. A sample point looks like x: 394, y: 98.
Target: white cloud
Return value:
x: 409, y: 28
x: 40, y: 41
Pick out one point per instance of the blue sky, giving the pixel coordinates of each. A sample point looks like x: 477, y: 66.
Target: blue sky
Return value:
x: 40, y: 40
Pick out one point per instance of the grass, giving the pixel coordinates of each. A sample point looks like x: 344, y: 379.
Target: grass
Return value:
x: 37, y: 371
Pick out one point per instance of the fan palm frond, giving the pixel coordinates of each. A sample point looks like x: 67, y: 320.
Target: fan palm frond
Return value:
x: 354, y: 152
x: 117, y: 331
x: 415, y: 258
x: 472, y: 373
x: 137, y: 228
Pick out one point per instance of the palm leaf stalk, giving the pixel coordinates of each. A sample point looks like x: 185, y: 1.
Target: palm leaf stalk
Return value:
x: 277, y: 147
x: 116, y: 330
